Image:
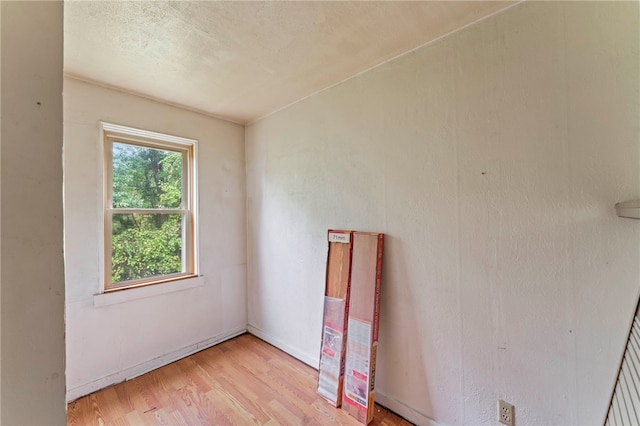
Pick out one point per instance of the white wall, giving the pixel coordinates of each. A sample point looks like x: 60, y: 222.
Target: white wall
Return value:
x: 0, y: 211
x: 32, y: 277
x: 109, y: 343
x: 492, y: 159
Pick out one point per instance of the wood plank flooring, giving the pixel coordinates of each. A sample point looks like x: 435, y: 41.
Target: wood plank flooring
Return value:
x: 243, y: 381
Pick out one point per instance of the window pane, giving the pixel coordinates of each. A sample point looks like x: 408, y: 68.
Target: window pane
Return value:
x: 145, y: 245
x: 146, y: 177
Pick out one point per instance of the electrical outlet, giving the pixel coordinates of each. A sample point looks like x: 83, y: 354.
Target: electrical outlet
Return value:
x: 506, y: 413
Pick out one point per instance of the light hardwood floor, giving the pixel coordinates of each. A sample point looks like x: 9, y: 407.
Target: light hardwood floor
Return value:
x: 242, y: 381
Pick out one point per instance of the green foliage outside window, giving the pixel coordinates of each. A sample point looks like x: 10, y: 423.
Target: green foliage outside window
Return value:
x: 146, y: 244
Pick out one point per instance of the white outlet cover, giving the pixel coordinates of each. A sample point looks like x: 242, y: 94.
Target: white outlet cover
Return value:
x: 506, y: 413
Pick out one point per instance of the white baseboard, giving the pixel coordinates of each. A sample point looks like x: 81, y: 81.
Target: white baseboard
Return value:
x: 400, y: 408
x: 389, y: 402
x: 311, y: 361
x: 152, y: 364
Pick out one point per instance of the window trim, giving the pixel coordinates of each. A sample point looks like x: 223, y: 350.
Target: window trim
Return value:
x: 110, y: 133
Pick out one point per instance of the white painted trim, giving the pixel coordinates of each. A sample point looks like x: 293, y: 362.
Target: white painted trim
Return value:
x: 404, y: 410
x: 110, y: 133
x: 101, y: 197
x: 145, y: 367
x: 109, y: 128
x: 86, y: 80
x: 146, y: 211
x: 311, y: 361
x: 135, y: 293
x: 195, y: 208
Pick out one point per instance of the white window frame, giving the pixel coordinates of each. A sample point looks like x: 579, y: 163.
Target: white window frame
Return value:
x: 111, y: 133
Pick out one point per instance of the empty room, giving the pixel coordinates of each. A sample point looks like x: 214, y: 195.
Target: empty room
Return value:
x: 170, y: 173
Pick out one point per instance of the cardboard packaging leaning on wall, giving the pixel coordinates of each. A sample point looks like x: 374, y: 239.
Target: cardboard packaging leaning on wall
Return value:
x: 362, y: 326
x: 336, y: 308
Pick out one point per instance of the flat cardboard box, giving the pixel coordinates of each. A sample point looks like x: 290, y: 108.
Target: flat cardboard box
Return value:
x: 336, y: 307
x: 362, y: 326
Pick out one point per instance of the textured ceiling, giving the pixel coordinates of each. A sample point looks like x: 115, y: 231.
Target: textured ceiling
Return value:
x: 244, y: 60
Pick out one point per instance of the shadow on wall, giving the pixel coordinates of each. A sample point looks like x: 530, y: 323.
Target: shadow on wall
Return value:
x: 402, y: 338
x: 254, y: 230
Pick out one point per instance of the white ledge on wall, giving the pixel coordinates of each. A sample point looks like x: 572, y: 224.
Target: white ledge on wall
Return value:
x: 106, y: 299
x: 629, y: 209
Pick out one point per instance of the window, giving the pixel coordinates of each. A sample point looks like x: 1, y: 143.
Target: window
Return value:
x: 149, y: 207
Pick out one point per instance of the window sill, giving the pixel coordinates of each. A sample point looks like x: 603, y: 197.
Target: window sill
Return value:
x: 116, y: 297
